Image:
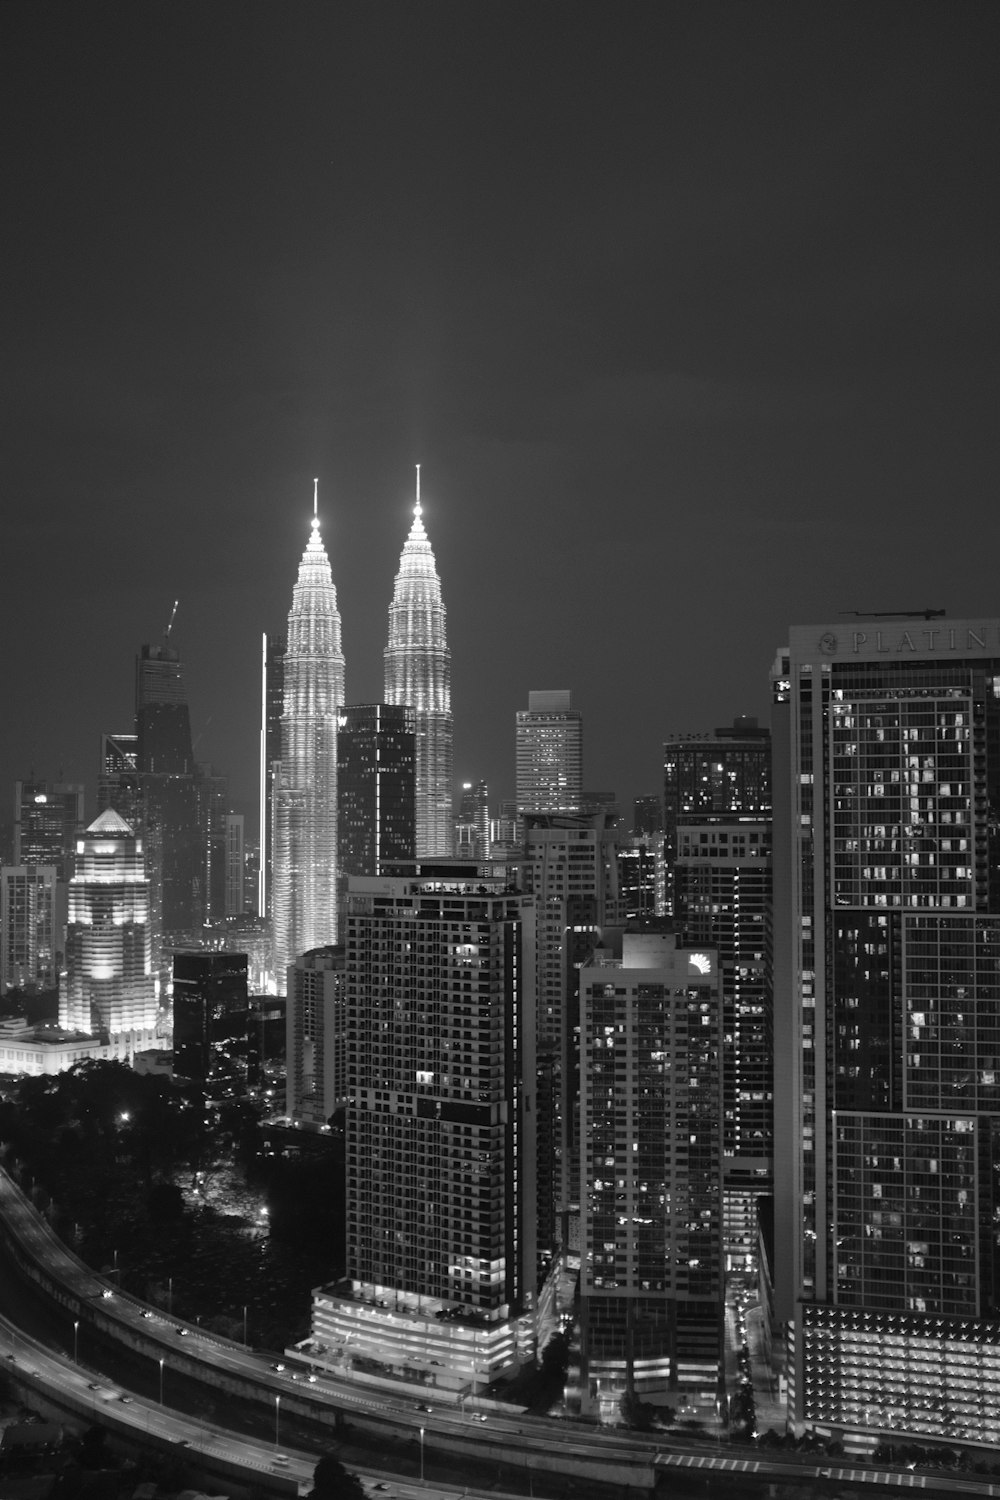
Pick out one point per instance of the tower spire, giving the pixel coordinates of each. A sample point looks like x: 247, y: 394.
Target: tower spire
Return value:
x: 315, y: 499
x: 416, y: 508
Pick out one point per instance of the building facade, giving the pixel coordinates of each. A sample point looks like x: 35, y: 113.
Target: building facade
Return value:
x: 28, y: 928
x: 549, y: 752
x: 719, y: 873
x: 109, y: 986
x: 376, y: 777
x: 887, y: 1027
x: 652, y: 1280
x: 272, y: 702
x: 316, y: 1037
x: 439, y: 990
x: 214, y: 1042
x: 304, y: 911
x: 417, y: 665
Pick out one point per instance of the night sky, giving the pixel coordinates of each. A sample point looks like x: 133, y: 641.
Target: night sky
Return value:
x: 688, y: 311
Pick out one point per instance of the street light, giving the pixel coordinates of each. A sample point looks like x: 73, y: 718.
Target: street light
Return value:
x: 421, y: 1455
x: 244, y: 1325
x: 277, y: 1411
x: 161, y: 1382
x: 76, y: 1341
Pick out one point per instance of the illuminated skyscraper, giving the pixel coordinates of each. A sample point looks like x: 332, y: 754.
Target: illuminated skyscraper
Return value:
x: 305, y: 793
x: 549, y: 755
x: 418, y: 673
x: 109, y: 985
x: 887, y: 1027
x: 272, y: 699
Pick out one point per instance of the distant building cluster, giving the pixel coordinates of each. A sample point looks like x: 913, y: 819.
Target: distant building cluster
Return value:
x: 591, y: 1079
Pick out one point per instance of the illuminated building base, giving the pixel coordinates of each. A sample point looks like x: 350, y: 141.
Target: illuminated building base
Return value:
x: 875, y: 1376
x: 374, y: 1333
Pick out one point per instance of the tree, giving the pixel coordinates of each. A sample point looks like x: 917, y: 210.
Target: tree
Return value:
x: 331, y: 1481
x: 636, y: 1413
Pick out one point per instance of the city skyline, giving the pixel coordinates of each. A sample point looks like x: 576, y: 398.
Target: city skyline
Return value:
x: 689, y: 316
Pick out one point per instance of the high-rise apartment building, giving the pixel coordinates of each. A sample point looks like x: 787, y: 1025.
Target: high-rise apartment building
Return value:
x: 439, y: 990
x: 652, y: 1282
x: 549, y: 755
x: 718, y: 798
x: 887, y: 1026
x: 472, y: 822
x: 109, y: 984
x: 272, y: 702
x: 418, y: 674
x: 569, y: 865
x: 376, y: 776
x: 304, y: 911
x: 315, y: 1037
x: 235, y: 892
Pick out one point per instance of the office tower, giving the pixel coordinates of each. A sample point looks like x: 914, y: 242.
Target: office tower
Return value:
x: 439, y: 986
x: 235, y: 893
x: 472, y: 822
x: 376, y: 776
x: 887, y: 1041
x: 118, y: 782
x: 167, y: 773
x: 718, y: 800
x: 213, y: 1036
x: 272, y: 700
x: 47, y: 821
x: 48, y: 818
x: 304, y: 910
x: 418, y: 674
x: 316, y: 1037
x: 647, y: 816
x: 639, y: 878
x: 549, y: 755
x: 28, y: 928
x: 505, y: 831
x: 652, y: 1283
x: 212, y: 802
x: 569, y: 865
x: 109, y: 984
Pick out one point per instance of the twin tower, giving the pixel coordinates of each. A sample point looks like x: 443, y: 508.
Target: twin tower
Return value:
x: 417, y: 674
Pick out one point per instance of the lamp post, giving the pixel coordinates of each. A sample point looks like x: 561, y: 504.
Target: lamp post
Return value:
x: 161, y: 1382
x: 244, y: 1325
x: 421, y: 1455
x: 170, y: 1296
x: 76, y: 1342
x: 277, y: 1411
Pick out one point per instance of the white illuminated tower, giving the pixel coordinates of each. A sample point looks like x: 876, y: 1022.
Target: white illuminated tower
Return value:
x: 109, y: 983
x: 304, y: 911
x: 418, y: 674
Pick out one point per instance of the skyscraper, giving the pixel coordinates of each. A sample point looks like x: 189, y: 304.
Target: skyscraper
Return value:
x: 376, y: 756
x: 28, y: 928
x: 212, y: 1025
x: 272, y: 702
x: 418, y: 674
x: 305, y: 792
x: 167, y: 773
x: 109, y: 984
x: 887, y: 1026
x: 439, y: 1130
x: 718, y: 800
x: 47, y: 823
x: 650, y: 1144
x: 549, y: 755
x: 315, y: 1036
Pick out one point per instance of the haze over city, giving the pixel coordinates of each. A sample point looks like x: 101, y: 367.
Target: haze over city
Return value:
x: 688, y: 312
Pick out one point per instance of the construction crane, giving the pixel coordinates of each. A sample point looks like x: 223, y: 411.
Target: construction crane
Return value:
x: 170, y: 622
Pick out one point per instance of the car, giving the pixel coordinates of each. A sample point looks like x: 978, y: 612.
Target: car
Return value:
x: 146, y: 1313
x: 279, y: 1366
x: 125, y: 1397
x: 92, y: 1385
x: 182, y: 1331
x: 421, y: 1406
x: 311, y: 1379
x: 281, y: 1458
x: 477, y: 1416
x: 380, y: 1486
